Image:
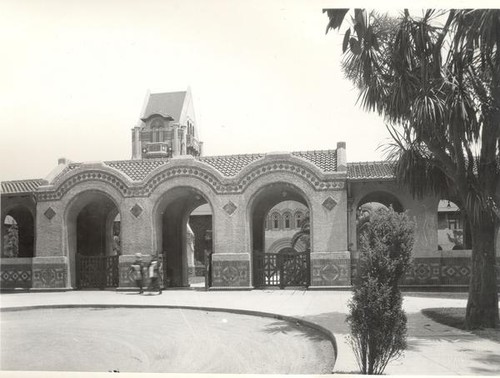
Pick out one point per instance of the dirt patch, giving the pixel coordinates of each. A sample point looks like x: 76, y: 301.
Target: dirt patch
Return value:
x: 160, y: 340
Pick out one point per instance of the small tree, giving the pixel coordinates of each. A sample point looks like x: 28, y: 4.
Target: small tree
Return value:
x: 435, y: 79
x: 11, y: 242
x: 376, y: 319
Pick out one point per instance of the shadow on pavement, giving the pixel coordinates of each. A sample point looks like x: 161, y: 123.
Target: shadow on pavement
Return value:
x: 333, y: 321
x: 285, y: 327
x: 492, y: 359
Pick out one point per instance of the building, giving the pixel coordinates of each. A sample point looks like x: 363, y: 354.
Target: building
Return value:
x: 82, y: 224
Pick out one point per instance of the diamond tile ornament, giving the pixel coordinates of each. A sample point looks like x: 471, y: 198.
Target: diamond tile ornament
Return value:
x: 329, y: 203
x: 136, y: 210
x: 49, y: 213
x: 230, y: 208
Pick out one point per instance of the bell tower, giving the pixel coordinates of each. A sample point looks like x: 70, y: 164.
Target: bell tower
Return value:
x: 167, y: 127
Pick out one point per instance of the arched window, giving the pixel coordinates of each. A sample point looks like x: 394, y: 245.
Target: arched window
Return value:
x: 287, y: 221
x: 298, y: 219
x: 156, y: 126
x: 276, y: 221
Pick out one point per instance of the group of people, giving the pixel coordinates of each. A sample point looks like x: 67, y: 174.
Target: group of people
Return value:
x: 139, y: 271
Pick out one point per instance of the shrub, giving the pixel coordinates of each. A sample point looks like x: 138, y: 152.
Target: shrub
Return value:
x: 11, y: 242
x: 376, y: 319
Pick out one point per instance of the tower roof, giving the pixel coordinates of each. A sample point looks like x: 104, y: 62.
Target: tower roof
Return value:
x: 165, y: 104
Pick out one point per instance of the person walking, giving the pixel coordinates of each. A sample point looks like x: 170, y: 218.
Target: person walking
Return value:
x: 136, y: 272
x: 154, y: 275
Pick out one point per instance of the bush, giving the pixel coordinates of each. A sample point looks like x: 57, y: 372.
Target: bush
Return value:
x: 11, y: 242
x: 376, y: 319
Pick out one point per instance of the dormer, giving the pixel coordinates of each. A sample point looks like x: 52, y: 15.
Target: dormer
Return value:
x: 167, y: 127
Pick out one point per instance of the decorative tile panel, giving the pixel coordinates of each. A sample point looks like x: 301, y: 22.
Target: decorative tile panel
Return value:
x: 329, y: 203
x: 49, y: 213
x: 136, y: 210
x: 330, y: 272
x: 230, y: 274
x: 15, y: 276
x: 230, y: 208
x: 49, y: 276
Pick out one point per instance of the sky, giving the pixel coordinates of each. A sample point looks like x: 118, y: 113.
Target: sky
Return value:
x: 264, y: 75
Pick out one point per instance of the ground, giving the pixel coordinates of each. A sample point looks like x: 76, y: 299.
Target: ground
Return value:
x: 159, y: 340
x: 433, y: 348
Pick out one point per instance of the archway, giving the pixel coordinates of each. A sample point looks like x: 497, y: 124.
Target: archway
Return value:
x: 198, y: 231
x: 271, y: 211
x: 453, y: 227
x: 284, y: 220
x: 18, y: 233
x: 372, y: 203
x: 91, y: 230
x: 183, y: 219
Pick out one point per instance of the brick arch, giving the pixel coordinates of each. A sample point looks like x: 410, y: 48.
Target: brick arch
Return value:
x: 292, y: 166
x: 385, y: 197
x: 173, y: 203
x: 24, y: 216
x: 194, y: 171
x: 74, y: 203
x: 82, y: 178
x: 279, y: 244
x: 265, y: 193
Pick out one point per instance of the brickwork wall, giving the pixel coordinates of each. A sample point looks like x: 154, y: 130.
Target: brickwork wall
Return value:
x: 232, y: 201
x: 438, y: 271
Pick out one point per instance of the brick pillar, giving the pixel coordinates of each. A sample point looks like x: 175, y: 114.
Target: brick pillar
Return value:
x: 183, y: 140
x: 136, y: 143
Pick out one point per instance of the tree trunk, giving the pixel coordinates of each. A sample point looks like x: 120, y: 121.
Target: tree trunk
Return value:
x: 482, y: 306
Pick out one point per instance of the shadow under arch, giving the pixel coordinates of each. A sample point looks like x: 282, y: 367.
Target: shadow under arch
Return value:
x: 259, y: 205
x: 88, y: 223
x: 369, y: 204
x: 453, y: 226
x: 382, y: 197
x: 171, y: 216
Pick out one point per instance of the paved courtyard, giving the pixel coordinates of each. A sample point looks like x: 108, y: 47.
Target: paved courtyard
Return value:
x: 433, y: 348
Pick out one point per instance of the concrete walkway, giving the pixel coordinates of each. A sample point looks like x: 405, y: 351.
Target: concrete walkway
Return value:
x: 432, y: 348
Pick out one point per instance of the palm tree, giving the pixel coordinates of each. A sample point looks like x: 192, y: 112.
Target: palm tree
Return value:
x: 436, y: 81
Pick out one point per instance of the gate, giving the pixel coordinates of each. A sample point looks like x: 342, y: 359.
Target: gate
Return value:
x: 96, y: 271
x: 286, y: 268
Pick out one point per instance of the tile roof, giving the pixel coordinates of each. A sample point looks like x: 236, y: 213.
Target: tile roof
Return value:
x: 326, y: 160
x: 137, y: 170
x: 370, y: 170
x: 230, y: 165
x: 67, y: 169
x: 21, y: 186
x: 226, y: 165
x: 166, y: 104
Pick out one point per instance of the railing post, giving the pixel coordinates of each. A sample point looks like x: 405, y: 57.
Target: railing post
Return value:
x: 280, y: 261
